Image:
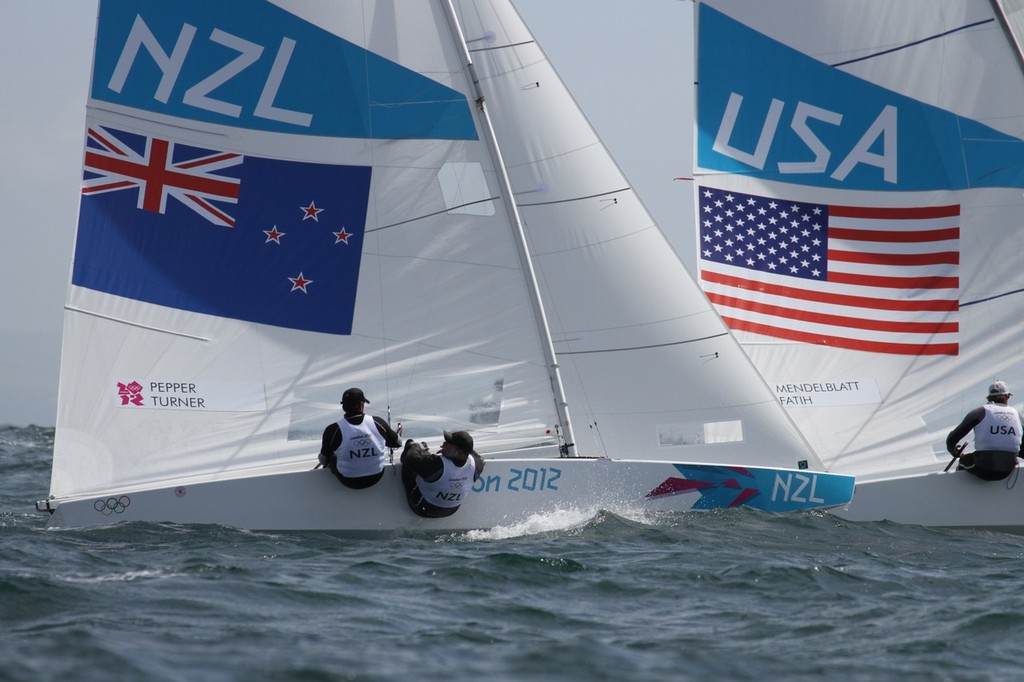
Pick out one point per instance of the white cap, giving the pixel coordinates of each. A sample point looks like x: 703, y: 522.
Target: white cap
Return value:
x: 998, y: 388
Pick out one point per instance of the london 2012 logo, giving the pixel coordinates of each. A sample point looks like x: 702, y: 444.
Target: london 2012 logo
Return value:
x: 130, y: 393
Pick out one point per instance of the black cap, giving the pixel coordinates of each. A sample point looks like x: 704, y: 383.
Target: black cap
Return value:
x: 353, y: 396
x: 460, y: 439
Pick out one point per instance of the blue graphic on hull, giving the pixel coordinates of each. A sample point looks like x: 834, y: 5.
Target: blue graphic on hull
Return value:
x: 773, y: 490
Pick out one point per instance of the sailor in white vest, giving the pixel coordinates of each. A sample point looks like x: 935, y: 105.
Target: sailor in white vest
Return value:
x: 435, y: 485
x: 997, y: 436
x: 353, y: 447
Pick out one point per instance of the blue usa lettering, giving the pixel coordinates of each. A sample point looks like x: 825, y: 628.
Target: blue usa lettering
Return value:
x: 198, y: 94
x: 1002, y: 429
x: 882, y: 129
x: 785, y: 485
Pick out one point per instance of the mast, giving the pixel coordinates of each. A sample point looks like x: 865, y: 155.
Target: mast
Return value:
x: 568, y: 448
x: 1009, y: 25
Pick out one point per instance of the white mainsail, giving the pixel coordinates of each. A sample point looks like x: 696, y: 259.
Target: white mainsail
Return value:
x: 880, y: 145
x: 282, y: 200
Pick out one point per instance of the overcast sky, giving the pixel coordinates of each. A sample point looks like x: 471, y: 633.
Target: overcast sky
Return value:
x: 628, y: 63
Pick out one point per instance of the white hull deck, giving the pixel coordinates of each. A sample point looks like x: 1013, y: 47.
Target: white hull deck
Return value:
x: 950, y: 500
x: 510, y: 491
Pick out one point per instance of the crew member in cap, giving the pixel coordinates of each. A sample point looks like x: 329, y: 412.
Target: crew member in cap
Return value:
x: 997, y: 436
x: 435, y: 485
x: 353, y: 447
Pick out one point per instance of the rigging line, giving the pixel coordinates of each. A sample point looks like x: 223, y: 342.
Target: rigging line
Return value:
x: 384, y: 345
x: 913, y: 43
x: 384, y: 338
x: 648, y: 346
x: 431, y: 215
x: 564, y: 201
x: 992, y: 298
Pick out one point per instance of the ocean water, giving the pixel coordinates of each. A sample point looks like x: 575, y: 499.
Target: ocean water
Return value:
x: 733, y: 595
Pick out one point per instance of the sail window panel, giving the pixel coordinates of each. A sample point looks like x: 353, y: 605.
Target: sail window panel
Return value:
x: 723, y: 432
x: 464, y: 188
x: 699, y: 433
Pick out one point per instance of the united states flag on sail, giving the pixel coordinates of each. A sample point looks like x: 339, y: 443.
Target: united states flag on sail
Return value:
x: 875, y: 279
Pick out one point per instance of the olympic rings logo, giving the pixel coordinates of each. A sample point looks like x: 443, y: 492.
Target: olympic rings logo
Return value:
x: 112, y: 505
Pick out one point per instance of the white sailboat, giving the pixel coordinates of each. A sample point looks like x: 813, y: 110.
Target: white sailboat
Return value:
x: 858, y: 186
x: 285, y: 199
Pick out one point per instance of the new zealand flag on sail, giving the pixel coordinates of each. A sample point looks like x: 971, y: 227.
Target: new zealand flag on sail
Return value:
x: 244, y: 237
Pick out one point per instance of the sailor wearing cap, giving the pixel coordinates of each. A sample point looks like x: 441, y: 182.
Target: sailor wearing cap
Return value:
x: 436, y: 485
x: 353, y: 447
x: 997, y: 436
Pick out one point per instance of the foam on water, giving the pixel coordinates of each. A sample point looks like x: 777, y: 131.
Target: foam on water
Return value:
x: 119, y: 577
x: 560, y: 520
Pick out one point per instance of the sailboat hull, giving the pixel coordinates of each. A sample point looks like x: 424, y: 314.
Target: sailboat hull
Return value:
x: 510, y: 491
x: 951, y: 500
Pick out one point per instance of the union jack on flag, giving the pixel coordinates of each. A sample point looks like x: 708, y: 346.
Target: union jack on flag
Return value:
x: 156, y: 174
x: 883, y: 280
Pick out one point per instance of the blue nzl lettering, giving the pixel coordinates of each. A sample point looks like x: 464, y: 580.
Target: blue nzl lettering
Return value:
x: 785, y: 483
x: 883, y: 128
x: 198, y: 95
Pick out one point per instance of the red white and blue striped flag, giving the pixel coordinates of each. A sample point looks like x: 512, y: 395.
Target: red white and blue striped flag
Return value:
x: 875, y: 279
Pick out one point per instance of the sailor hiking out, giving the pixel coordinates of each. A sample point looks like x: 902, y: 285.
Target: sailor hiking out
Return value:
x: 997, y: 436
x: 436, y: 485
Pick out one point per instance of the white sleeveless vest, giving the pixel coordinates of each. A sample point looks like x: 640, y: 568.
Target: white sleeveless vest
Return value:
x: 451, y: 489
x: 362, y: 449
x: 1000, y: 429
